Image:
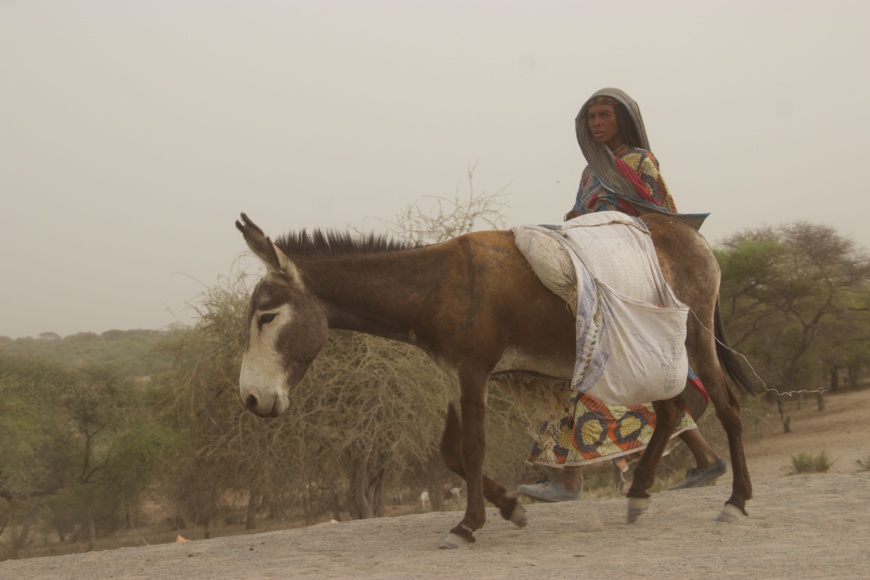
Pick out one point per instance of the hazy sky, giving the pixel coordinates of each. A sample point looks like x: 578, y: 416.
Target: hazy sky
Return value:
x: 132, y: 133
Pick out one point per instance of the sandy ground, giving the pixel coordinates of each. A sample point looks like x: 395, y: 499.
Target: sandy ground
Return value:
x: 800, y: 526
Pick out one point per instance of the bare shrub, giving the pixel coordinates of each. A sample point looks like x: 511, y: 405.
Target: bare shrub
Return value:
x: 807, y: 463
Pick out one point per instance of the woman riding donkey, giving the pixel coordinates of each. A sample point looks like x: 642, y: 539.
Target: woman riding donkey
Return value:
x: 622, y: 175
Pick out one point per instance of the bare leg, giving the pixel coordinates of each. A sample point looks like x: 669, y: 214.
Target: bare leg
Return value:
x: 701, y: 450
x: 709, y: 466
x: 569, y: 478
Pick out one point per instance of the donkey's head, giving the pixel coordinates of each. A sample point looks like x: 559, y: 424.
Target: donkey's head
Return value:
x: 287, y: 327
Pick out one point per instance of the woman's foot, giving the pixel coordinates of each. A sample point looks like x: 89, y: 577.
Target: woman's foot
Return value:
x: 696, y: 477
x: 548, y: 490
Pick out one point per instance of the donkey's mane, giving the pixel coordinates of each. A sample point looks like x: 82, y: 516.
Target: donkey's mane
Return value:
x: 331, y: 243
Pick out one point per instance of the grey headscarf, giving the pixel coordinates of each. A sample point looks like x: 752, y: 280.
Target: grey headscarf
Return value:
x: 601, y: 159
x: 599, y: 156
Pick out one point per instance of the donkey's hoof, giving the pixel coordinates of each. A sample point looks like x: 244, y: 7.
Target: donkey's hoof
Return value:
x: 636, y: 506
x: 454, y: 542
x: 462, y: 536
x: 731, y: 514
x: 519, y: 516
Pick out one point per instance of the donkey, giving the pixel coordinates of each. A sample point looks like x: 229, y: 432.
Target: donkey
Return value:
x: 476, y: 307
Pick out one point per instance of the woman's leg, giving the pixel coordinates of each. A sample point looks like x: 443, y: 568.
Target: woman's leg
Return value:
x: 701, y: 450
x: 709, y: 466
x: 569, y: 478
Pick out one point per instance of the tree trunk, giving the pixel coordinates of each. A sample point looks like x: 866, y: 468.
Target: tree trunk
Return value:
x: 376, y: 490
x: 852, y: 375
x: 251, y: 517
x: 436, y: 496
x: 92, y: 531
x: 835, y: 378
x: 20, y: 540
x: 336, y: 506
x: 786, y: 420
x: 359, y: 502
x: 820, y: 400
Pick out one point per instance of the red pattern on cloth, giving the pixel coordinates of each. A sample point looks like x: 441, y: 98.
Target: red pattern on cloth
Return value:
x: 635, y: 181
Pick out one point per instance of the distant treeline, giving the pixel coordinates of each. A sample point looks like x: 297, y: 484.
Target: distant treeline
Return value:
x: 130, y: 352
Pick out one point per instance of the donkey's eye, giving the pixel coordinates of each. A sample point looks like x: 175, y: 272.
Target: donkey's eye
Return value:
x: 266, y: 318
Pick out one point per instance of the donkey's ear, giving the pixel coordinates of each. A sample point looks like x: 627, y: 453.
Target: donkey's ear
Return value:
x: 263, y: 247
x: 259, y: 243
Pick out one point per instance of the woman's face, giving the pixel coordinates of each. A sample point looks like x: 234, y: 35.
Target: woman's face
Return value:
x: 603, y: 125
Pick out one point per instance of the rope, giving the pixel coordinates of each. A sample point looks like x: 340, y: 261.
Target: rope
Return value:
x: 746, y: 360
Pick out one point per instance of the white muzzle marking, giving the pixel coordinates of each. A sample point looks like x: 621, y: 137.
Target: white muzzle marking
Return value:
x: 263, y: 379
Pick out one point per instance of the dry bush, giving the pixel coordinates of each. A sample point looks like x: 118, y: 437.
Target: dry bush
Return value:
x: 439, y: 219
x: 808, y: 463
x: 374, y: 410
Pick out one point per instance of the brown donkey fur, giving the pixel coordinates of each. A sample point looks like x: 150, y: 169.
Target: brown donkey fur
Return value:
x: 475, y: 306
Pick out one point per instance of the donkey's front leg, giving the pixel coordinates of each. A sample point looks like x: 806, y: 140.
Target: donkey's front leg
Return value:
x: 473, y: 406
x: 451, y: 452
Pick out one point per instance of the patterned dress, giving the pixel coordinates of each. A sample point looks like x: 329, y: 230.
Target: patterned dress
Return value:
x: 589, y: 431
x: 594, y: 195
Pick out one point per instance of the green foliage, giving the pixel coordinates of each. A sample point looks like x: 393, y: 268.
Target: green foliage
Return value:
x: 76, y: 443
x: 33, y: 454
x: 128, y: 352
x: 807, y: 463
x: 795, y: 300
x: 139, y: 457
x: 73, y: 510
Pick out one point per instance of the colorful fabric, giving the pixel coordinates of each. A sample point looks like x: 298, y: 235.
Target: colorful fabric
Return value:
x: 616, y: 189
x: 593, y: 431
x: 595, y: 195
x: 695, y: 382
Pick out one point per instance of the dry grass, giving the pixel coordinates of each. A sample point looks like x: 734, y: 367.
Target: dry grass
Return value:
x: 808, y: 463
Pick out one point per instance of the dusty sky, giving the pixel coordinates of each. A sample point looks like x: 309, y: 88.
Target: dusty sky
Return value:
x: 132, y: 133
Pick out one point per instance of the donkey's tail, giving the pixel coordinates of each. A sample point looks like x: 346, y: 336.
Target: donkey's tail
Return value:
x: 728, y: 358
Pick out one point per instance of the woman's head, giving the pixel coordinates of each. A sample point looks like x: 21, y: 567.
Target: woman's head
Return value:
x: 628, y: 119
x: 610, y: 123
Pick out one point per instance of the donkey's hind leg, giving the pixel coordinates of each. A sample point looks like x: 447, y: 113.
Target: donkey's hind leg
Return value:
x: 667, y: 417
x: 711, y: 362
x: 727, y: 407
x: 451, y: 452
